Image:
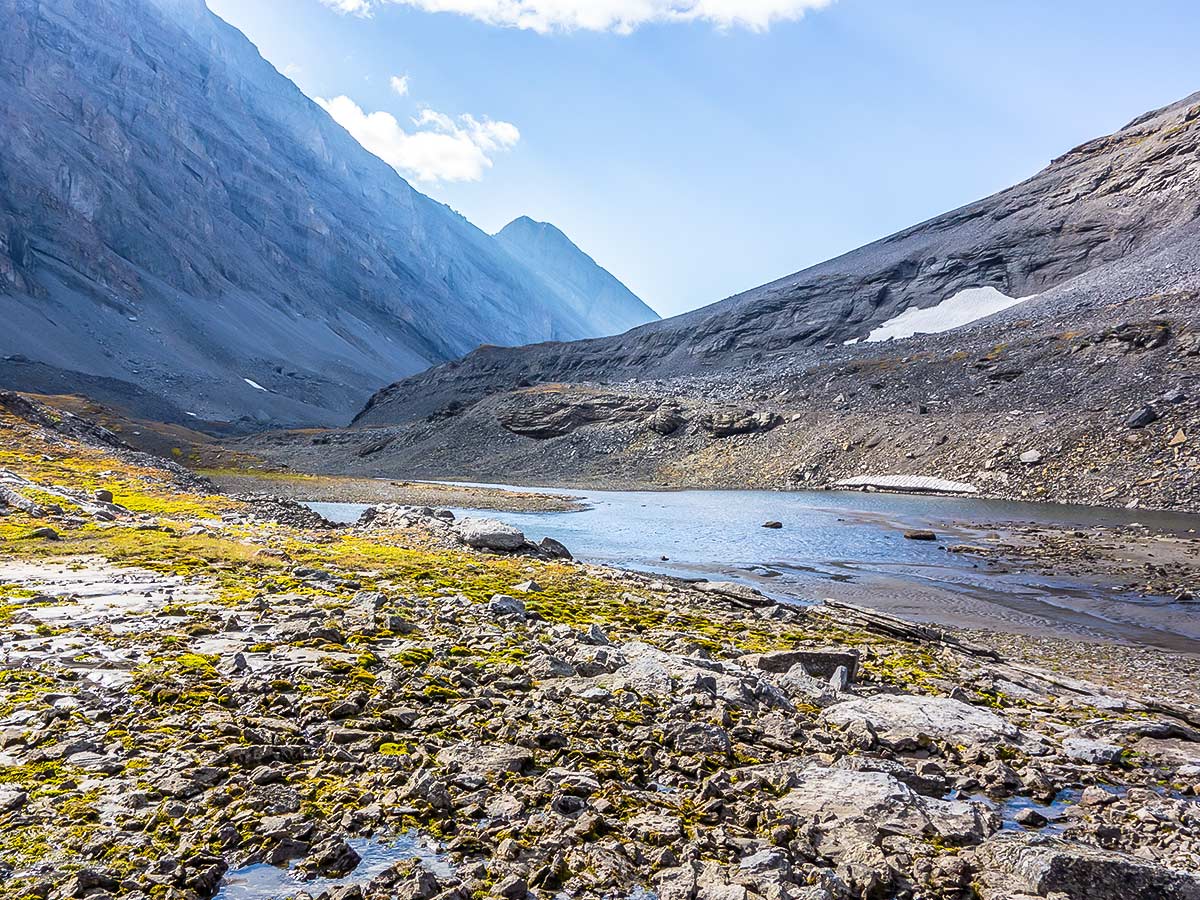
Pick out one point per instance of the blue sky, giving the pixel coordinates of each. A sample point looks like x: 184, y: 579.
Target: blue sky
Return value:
x: 700, y: 157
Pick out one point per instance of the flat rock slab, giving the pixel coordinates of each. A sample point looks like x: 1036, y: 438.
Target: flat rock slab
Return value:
x: 850, y: 807
x: 905, y: 720
x: 92, y: 589
x: 1043, y: 866
x: 485, y: 759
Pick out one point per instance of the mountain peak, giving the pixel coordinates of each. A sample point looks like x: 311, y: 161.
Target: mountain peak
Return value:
x: 593, y: 292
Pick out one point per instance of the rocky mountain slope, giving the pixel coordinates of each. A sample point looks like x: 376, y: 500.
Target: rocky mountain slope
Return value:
x: 1101, y: 407
x: 178, y: 221
x: 591, y: 291
x: 1112, y: 219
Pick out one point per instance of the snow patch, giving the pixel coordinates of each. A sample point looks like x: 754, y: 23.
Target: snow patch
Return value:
x: 256, y: 385
x: 963, y: 308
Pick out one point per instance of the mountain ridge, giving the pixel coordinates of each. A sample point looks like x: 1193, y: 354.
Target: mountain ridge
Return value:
x: 1100, y: 204
x: 177, y: 215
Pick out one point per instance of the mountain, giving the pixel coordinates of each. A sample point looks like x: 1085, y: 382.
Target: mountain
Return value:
x: 1112, y: 218
x: 180, y: 226
x: 592, y: 292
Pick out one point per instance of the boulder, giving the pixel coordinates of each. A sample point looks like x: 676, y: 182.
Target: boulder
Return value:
x: 820, y: 663
x: 1086, y: 750
x: 908, y: 721
x: 1141, y: 418
x: 553, y: 549
x: 503, y: 606
x: 488, y: 534
x: 848, y: 808
x: 485, y: 759
x: 1042, y: 866
x: 9, y: 497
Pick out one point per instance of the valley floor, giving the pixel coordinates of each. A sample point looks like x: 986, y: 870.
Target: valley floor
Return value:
x: 193, y: 686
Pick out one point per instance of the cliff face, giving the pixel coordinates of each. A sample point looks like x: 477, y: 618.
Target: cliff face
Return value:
x: 177, y: 216
x: 592, y: 292
x: 1111, y: 219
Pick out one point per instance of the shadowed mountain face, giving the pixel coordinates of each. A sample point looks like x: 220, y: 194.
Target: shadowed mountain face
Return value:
x: 177, y: 216
x: 592, y: 292
x: 1112, y: 219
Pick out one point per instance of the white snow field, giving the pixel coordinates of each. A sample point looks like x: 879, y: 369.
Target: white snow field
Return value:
x: 963, y: 308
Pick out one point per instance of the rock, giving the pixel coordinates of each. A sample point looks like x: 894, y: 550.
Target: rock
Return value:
x: 485, y: 759
x: 103, y: 496
x: 728, y: 422
x: 553, y: 549
x: 333, y: 858
x: 820, y: 663
x: 734, y: 591
x: 667, y: 419
x: 839, y: 680
x: 1097, y: 753
x: 773, y: 525
x: 1094, y: 795
x: 798, y: 683
x: 11, y: 498
x: 1031, y: 457
x: 527, y: 587
x: 45, y: 533
x: 697, y: 739
x: 1147, y: 415
x: 920, y: 536
x: 506, y: 607
x: 1174, y: 396
x: 513, y: 887
x: 908, y: 721
x: 488, y: 534
x: 847, y: 808
x: 1030, y: 818
x: 1042, y: 866
x: 549, y: 414
x: 88, y: 881
x: 11, y: 798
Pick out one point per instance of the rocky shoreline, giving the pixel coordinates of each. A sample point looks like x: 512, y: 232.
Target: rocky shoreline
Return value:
x: 338, y: 489
x: 419, y: 707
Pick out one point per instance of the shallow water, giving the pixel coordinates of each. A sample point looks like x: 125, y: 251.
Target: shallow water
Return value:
x: 265, y: 882
x: 850, y: 546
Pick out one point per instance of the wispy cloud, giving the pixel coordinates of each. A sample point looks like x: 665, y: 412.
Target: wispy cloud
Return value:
x: 438, y: 148
x: 621, y: 16
x: 400, y: 84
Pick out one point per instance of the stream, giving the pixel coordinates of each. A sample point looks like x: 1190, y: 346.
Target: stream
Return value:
x: 851, y: 547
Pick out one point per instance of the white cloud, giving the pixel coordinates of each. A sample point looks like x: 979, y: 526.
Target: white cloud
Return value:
x: 400, y: 84
x: 622, y: 16
x: 440, y: 148
x: 357, y: 7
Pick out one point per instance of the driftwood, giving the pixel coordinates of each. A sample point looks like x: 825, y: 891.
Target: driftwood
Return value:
x: 1016, y: 672
x: 882, y: 623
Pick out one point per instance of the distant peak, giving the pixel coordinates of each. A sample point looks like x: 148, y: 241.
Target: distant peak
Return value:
x: 524, y: 223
